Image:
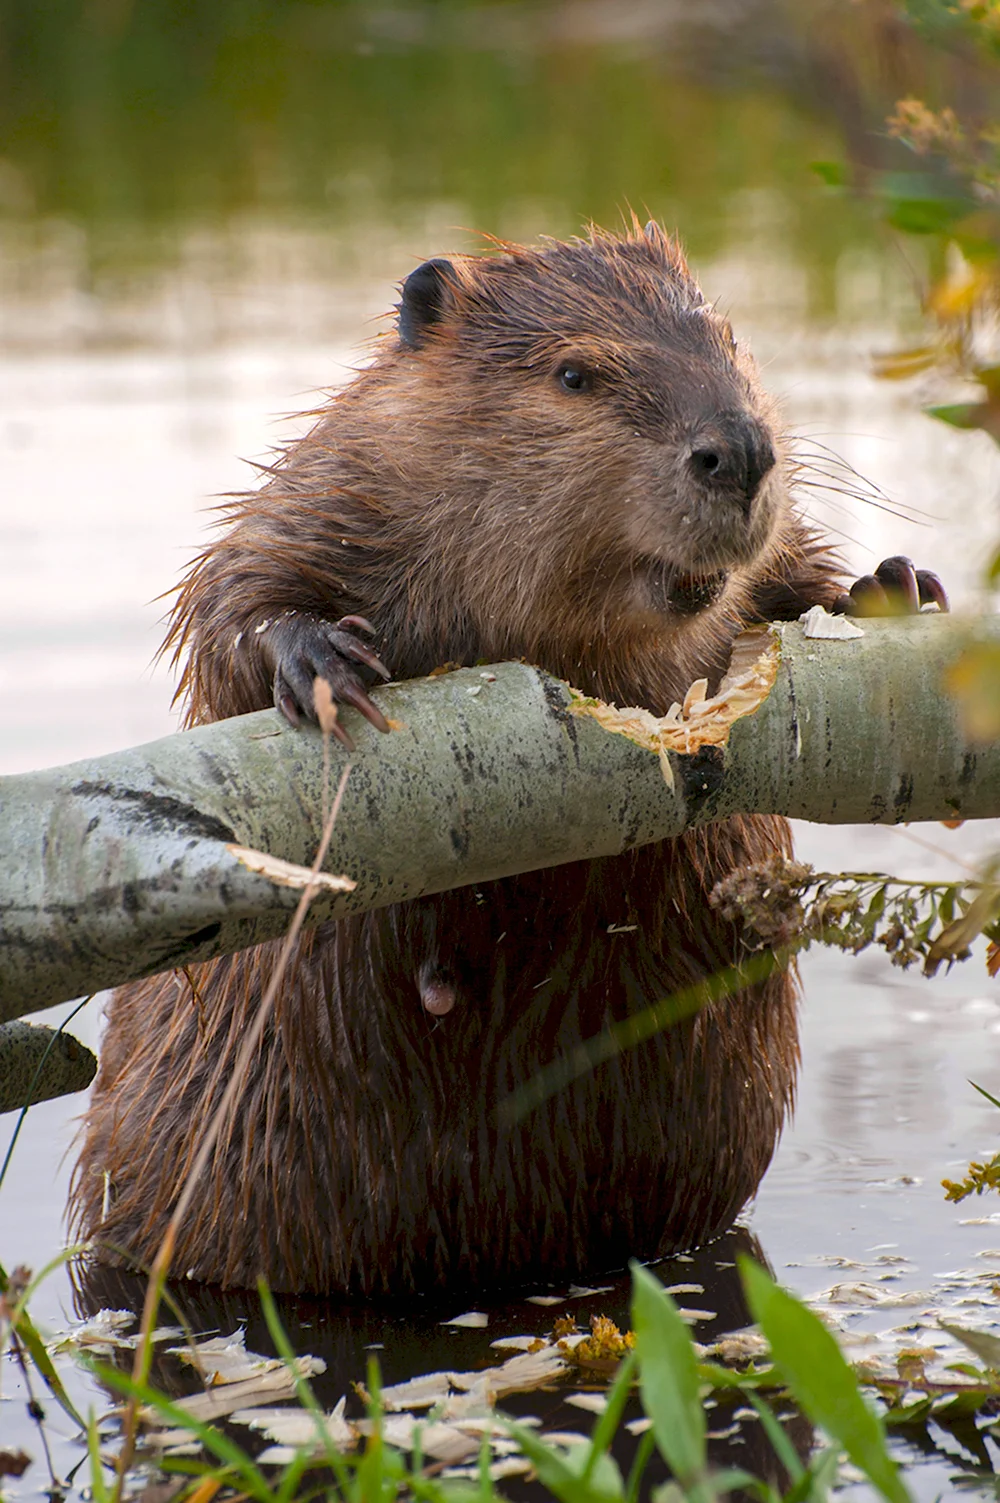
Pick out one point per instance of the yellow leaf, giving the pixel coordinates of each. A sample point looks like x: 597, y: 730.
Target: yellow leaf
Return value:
x: 903, y: 364
x: 974, y: 683
x: 958, y: 936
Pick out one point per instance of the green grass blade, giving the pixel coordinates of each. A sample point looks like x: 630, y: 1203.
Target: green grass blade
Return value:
x: 735, y: 1479
x: 820, y: 1379
x: 99, y: 1490
x: 668, y: 1378
x: 561, y: 1472
x: 292, y: 1476
x: 644, y: 1451
x: 984, y: 1092
x: 303, y: 1388
x: 23, y: 1112
x: 607, y: 1425
x: 780, y: 1444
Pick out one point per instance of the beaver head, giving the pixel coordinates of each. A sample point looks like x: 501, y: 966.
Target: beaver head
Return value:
x: 583, y: 438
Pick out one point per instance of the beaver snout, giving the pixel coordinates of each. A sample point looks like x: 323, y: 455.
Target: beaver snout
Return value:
x: 732, y: 456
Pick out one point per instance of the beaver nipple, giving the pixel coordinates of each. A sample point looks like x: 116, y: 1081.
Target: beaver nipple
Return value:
x: 438, y: 999
x: 438, y: 992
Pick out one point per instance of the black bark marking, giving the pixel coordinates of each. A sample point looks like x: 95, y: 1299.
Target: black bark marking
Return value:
x: 904, y: 796
x: 556, y: 705
x: 184, y: 948
x: 161, y: 812
x: 702, y: 773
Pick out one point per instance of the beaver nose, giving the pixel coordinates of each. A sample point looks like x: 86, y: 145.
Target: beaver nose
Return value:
x: 734, y: 454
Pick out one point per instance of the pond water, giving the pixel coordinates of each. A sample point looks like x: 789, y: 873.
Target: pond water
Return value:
x: 164, y: 307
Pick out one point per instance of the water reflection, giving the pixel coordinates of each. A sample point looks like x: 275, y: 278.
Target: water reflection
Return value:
x: 415, y: 1339
x: 116, y: 115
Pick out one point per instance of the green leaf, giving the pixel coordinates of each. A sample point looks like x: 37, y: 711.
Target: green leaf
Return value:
x: 902, y: 1415
x: 668, y: 1492
x: 876, y: 907
x: 668, y: 1377
x: 985, y: 1347
x: 99, y: 1489
x: 989, y: 376
x: 833, y: 174
x: 924, y: 216
x: 732, y: 1479
x: 721, y: 1377
x: 822, y: 1474
x: 961, y: 1406
x: 820, y: 1379
x: 973, y: 679
x: 959, y: 414
x: 24, y: 1329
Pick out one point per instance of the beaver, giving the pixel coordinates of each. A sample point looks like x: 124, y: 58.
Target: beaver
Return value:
x: 559, y: 454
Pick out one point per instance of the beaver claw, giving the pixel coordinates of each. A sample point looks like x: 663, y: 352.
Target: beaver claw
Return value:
x: 895, y: 589
x: 304, y: 648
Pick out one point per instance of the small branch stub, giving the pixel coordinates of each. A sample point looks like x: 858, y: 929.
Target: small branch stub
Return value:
x: 68, y: 1065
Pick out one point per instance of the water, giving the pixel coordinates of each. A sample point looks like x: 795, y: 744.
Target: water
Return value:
x: 176, y: 278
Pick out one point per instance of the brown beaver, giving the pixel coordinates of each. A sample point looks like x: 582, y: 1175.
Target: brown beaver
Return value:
x: 561, y: 454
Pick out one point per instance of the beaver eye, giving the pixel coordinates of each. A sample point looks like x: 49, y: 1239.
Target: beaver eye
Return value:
x: 572, y: 377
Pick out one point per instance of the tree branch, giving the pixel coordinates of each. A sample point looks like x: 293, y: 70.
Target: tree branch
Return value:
x: 122, y: 866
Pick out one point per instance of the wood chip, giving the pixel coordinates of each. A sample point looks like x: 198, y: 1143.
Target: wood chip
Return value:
x: 418, y: 1393
x: 297, y: 1427
x: 276, y: 1382
x: 473, y: 1320
x: 287, y: 873
x: 594, y: 1403
x: 816, y: 622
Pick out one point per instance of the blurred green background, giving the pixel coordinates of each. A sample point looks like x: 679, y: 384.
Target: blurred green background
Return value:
x: 137, y: 122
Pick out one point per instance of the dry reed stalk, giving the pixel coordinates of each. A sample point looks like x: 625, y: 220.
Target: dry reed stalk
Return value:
x: 161, y: 1264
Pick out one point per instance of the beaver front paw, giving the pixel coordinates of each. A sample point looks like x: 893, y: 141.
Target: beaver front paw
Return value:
x: 895, y: 589
x: 303, y: 648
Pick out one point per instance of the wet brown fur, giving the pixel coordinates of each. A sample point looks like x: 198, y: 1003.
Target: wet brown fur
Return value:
x: 474, y: 512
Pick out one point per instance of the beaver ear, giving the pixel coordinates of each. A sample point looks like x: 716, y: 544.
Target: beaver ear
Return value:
x: 426, y: 292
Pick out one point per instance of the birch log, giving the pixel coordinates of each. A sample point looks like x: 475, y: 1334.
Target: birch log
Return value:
x: 123, y: 866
